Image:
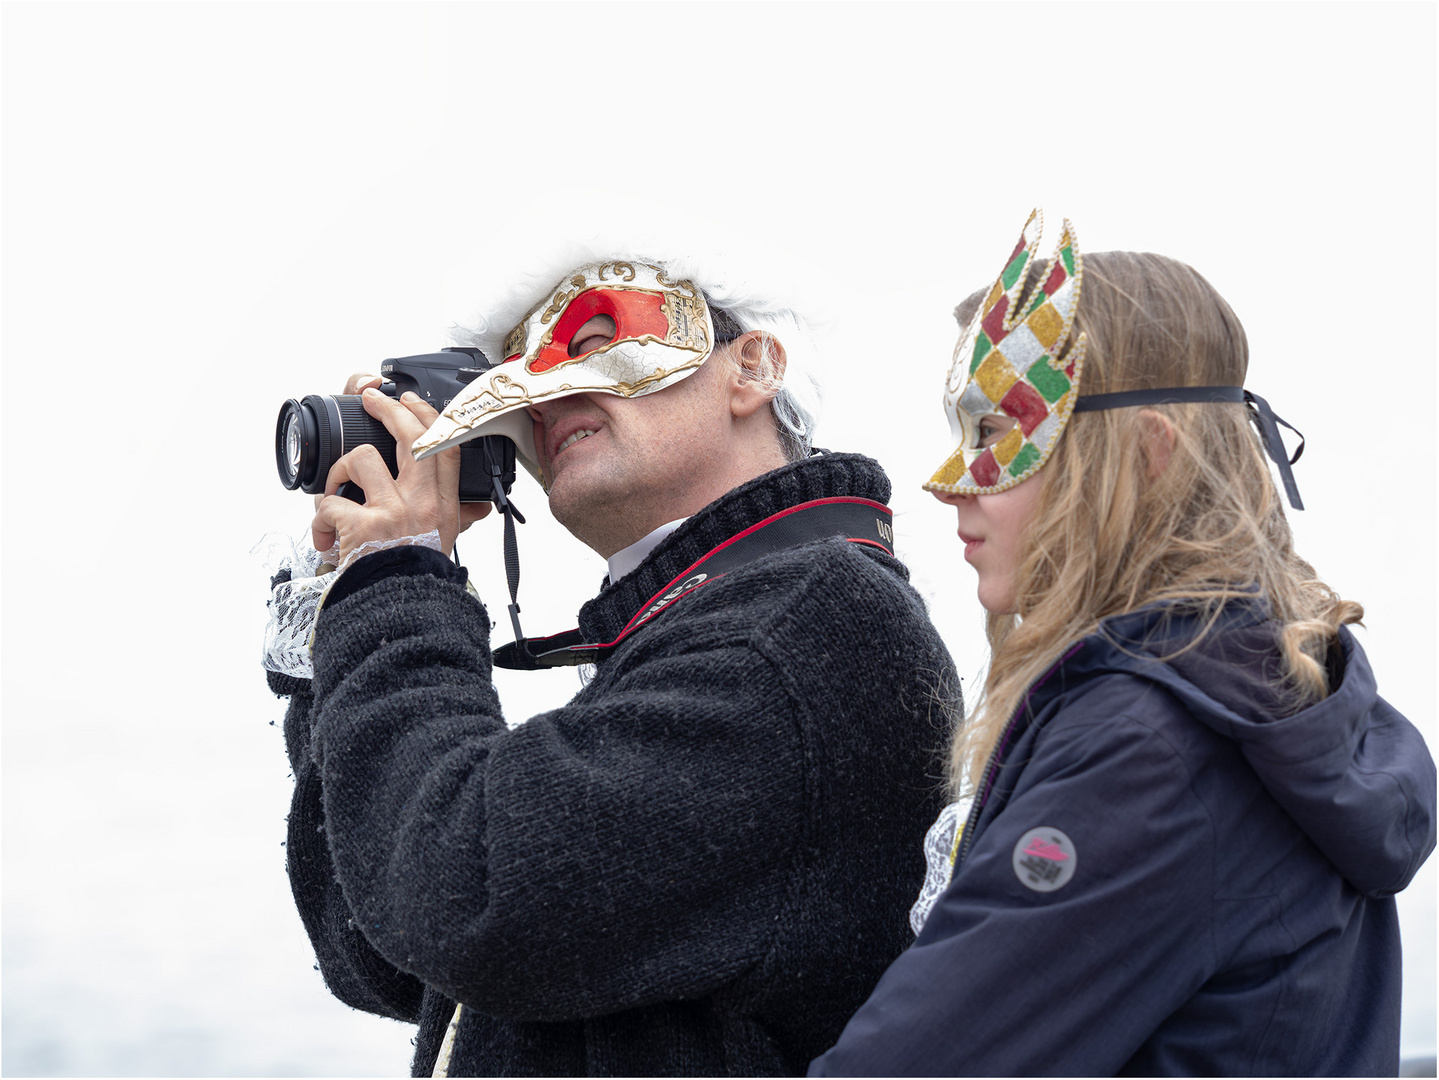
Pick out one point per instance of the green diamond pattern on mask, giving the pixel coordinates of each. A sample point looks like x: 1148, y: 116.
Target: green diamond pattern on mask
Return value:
x: 1052, y: 384
x: 1026, y: 457
x: 1014, y: 269
x: 982, y: 345
x: 1067, y: 254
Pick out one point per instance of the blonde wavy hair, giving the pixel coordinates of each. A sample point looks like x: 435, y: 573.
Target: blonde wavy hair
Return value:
x: 1115, y: 527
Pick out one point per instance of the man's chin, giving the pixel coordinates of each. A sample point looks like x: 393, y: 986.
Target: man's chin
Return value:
x: 572, y: 501
x: 592, y: 509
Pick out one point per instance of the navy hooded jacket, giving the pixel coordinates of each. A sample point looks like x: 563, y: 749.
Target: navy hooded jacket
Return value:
x: 1165, y: 871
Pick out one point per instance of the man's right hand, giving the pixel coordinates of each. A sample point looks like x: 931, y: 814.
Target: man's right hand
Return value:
x: 469, y: 512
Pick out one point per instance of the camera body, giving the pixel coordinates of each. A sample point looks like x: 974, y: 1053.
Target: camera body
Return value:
x: 316, y: 431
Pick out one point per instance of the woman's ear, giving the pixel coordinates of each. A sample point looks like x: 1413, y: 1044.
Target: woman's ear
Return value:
x: 1157, y: 439
x: 759, y: 366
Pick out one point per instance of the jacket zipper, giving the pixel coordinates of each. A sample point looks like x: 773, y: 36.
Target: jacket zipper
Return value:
x: 989, y: 769
x: 992, y: 765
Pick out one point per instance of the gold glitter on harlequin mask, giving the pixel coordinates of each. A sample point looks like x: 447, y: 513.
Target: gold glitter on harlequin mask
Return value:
x: 663, y: 333
x: 1010, y: 393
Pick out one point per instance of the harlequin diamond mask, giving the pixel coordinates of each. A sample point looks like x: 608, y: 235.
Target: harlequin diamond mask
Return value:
x: 1010, y: 392
x: 1011, y: 387
x: 663, y: 332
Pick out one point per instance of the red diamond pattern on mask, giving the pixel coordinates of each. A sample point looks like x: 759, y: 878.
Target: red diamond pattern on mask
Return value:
x: 1025, y: 404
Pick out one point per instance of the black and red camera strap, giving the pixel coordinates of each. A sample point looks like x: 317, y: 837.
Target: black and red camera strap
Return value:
x: 860, y: 521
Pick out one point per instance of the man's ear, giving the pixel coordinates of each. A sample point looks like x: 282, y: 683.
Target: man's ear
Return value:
x: 1157, y: 439
x: 759, y: 367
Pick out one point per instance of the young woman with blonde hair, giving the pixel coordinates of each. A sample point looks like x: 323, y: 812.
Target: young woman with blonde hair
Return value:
x: 1188, y: 808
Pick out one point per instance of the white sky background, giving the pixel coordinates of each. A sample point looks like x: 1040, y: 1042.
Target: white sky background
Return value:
x: 211, y: 208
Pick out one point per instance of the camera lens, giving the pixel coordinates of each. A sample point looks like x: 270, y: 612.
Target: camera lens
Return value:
x: 313, y: 433
x: 292, y: 445
x: 291, y: 441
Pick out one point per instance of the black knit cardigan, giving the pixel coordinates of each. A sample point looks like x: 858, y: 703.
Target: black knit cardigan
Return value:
x: 701, y: 865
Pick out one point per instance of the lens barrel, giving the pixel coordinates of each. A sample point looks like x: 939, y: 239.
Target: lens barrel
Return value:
x: 315, y: 432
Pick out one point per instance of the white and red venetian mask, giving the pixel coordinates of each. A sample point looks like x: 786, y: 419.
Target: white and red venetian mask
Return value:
x: 663, y: 332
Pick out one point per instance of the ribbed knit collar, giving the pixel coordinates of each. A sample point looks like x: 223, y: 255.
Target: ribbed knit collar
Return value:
x: 821, y: 477
x: 629, y: 558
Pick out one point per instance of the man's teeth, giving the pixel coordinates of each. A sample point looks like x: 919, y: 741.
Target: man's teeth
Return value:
x: 576, y: 437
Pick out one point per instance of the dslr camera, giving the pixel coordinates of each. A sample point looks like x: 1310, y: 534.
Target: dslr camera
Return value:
x: 314, y: 432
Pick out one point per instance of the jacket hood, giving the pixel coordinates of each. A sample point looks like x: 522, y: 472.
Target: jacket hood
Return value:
x: 1350, y: 770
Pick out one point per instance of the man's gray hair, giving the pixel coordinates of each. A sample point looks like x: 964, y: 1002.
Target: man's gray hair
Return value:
x: 796, y: 402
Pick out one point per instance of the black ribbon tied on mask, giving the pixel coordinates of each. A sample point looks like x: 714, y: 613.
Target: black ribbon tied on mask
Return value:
x: 1262, y: 416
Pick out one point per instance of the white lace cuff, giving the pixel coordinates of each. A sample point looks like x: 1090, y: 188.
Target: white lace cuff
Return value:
x: 294, y: 604
x: 430, y: 540
x: 941, y: 844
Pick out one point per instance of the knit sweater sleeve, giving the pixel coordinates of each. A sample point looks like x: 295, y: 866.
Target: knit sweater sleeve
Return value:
x: 626, y: 849
x: 354, y: 972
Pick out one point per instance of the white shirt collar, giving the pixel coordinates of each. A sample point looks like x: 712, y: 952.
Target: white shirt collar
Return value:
x: 625, y: 560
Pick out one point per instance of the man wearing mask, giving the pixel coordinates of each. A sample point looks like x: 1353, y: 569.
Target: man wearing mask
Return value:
x: 702, y: 863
